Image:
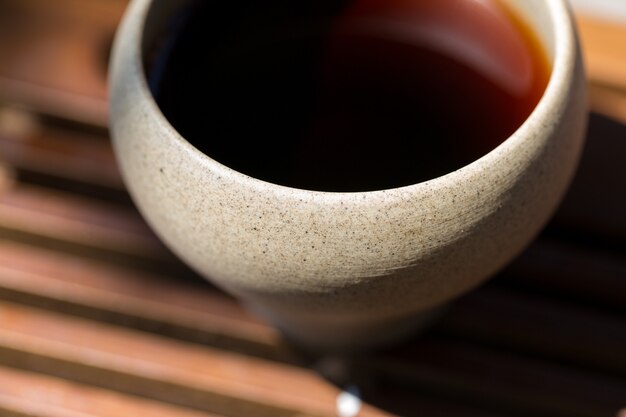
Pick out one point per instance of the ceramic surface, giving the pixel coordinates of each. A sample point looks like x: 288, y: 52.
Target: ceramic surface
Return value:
x: 339, y: 271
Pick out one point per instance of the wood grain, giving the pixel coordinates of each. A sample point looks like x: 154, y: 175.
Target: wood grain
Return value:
x: 82, y: 225
x: 182, y: 309
x: 26, y: 394
x: 160, y: 368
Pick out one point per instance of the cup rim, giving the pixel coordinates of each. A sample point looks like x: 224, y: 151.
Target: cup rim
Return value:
x: 561, y: 77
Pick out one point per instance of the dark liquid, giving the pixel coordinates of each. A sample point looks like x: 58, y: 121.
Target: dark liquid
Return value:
x: 347, y: 95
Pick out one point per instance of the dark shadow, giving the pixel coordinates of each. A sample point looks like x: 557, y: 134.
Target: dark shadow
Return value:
x: 596, y: 201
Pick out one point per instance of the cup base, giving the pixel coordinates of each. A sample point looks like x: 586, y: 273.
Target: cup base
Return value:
x: 341, y: 336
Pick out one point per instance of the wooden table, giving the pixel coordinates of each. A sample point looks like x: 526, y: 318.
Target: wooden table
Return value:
x: 97, y: 318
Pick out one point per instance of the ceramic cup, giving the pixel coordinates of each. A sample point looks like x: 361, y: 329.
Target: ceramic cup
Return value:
x: 344, y: 271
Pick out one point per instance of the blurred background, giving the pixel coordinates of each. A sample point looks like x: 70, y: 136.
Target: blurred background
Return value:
x: 97, y: 318
x: 606, y: 9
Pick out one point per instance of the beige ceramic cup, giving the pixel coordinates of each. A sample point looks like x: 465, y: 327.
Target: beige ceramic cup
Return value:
x: 343, y: 271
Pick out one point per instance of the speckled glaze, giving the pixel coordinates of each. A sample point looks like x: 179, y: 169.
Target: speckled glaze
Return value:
x: 342, y: 271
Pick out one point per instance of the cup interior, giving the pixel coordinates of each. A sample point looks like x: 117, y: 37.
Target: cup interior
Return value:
x: 540, y: 15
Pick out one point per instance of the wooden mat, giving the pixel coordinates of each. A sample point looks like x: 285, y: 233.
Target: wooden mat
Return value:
x: 97, y: 318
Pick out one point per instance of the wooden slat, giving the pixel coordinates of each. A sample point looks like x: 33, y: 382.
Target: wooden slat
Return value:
x: 92, y: 289
x: 540, y: 326
x: 574, y: 271
x: 500, y: 381
x: 608, y: 101
x: 90, y: 227
x: 63, y: 154
x: 525, y: 324
x: 158, y: 368
x: 25, y: 394
x: 604, y: 46
x: 53, y: 55
x: 56, y: 155
x: 6, y: 177
x: 203, y: 378
x: 198, y: 313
